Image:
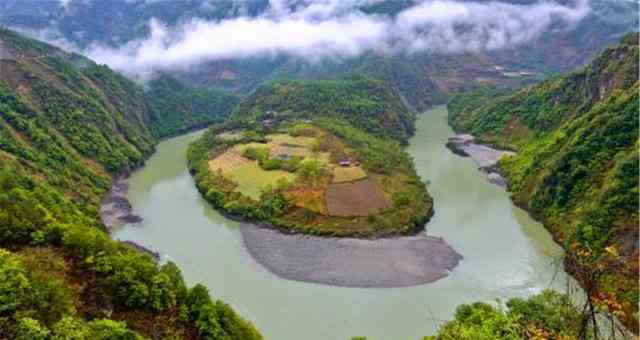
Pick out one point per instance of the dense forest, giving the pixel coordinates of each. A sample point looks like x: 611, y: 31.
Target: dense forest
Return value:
x: 422, y: 77
x: 576, y: 168
x: 367, y: 104
x: 178, y: 107
x: 67, y: 128
x: 547, y: 315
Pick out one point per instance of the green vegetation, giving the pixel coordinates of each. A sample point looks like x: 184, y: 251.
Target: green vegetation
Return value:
x: 365, y: 103
x: 178, y: 108
x: 290, y: 192
x: 461, y: 106
x: 577, y: 167
x: 252, y: 178
x: 548, y: 315
x: 67, y: 128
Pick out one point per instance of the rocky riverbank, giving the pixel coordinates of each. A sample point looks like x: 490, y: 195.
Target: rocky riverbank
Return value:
x: 348, y: 262
x: 485, y: 157
x: 115, y: 209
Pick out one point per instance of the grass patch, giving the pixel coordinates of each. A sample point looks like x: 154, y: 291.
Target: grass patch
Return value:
x: 348, y: 174
x: 251, y: 178
x: 285, y: 139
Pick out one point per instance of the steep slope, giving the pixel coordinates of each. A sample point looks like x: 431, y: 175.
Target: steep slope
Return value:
x: 577, y: 166
x: 67, y: 127
x: 424, y: 78
x: 366, y: 103
x: 177, y: 107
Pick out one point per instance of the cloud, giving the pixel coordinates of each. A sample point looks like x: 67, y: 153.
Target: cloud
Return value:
x: 329, y: 28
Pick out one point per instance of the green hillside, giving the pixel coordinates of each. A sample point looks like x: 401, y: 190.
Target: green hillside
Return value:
x: 577, y: 166
x: 306, y: 187
x: 67, y: 128
x: 366, y: 103
x: 177, y: 107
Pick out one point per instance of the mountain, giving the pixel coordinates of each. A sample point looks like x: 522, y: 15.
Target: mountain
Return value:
x: 67, y: 127
x: 177, y: 107
x: 368, y: 104
x: 576, y: 168
x: 423, y: 78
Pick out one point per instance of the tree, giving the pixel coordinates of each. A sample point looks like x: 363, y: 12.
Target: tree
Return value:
x: 31, y: 329
x: 69, y: 328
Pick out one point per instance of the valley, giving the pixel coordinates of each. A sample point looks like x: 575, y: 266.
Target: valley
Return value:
x: 331, y: 194
x: 183, y: 227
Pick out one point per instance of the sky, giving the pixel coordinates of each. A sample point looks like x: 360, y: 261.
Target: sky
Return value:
x: 322, y: 29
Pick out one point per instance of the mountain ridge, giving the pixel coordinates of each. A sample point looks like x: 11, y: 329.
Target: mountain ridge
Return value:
x: 577, y: 166
x: 68, y: 127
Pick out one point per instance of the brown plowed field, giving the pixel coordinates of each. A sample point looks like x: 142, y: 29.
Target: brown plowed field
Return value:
x: 361, y: 198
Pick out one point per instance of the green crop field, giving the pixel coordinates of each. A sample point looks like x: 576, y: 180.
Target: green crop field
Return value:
x: 251, y: 178
x: 348, y: 174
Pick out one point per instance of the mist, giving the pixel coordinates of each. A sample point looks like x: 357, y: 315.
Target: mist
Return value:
x: 324, y: 29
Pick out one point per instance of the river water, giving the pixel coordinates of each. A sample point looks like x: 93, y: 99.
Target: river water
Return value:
x: 506, y: 253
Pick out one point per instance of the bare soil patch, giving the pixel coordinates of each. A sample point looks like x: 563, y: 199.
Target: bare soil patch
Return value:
x: 228, y: 161
x: 291, y: 151
x: 361, y: 198
x: 230, y: 136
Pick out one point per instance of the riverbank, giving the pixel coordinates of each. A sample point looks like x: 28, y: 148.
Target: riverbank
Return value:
x: 349, y: 262
x: 484, y: 156
x: 209, y: 248
x: 115, y: 209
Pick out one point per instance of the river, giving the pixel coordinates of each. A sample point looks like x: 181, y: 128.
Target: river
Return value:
x: 506, y: 253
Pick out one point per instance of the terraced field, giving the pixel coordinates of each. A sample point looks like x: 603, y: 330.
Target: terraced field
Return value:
x: 294, y: 177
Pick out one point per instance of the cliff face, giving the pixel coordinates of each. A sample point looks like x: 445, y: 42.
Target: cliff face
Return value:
x: 577, y: 166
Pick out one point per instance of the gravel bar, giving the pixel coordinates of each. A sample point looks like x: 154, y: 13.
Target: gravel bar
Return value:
x: 349, y: 262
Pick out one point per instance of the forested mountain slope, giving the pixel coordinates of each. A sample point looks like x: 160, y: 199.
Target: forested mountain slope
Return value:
x: 577, y: 166
x: 366, y: 103
x: 67, y: 128
x: 177, y: 107
x: 423, y: 77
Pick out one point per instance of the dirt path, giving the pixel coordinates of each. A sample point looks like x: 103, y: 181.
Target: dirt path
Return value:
x: 384, y: 263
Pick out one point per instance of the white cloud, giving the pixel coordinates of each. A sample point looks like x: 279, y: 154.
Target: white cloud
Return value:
x: 328, y: 28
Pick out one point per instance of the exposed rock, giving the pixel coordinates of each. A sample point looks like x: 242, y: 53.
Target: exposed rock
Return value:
x: 115, y: 208
x: 485, y: 157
